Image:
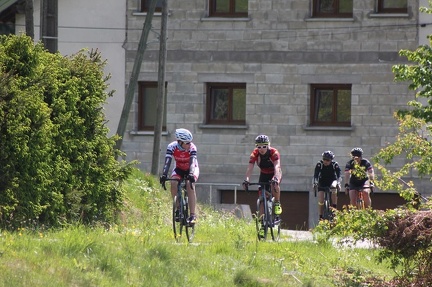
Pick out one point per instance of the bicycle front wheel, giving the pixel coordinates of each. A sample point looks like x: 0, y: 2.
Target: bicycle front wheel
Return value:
x: 328, y: 214
x: 176, y: 220
x: 275, y: 231
x: 262, y: 222
x: 258, y: 220
x: 190, y: 228
x: 275, y: 227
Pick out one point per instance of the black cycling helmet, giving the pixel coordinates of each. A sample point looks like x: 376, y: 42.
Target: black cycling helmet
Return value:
x: 357, y: 151
x: 262, y: 139
x: 328, y: 155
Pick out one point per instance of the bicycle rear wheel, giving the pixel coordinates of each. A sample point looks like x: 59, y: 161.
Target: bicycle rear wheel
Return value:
x: 190, y: 228
x: 177, y: 221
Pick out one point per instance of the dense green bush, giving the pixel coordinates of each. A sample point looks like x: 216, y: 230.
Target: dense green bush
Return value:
x: 57, y: 163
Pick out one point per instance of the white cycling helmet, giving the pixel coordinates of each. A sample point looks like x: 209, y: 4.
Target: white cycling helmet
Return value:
x: 357, y: 151
x: 262, y: 139
x: 183, y: 135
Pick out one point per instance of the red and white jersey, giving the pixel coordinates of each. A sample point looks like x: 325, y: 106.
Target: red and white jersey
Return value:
x: 181, y: 156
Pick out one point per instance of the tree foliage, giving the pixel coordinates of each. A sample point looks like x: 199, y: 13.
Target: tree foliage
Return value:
x: 57, y: 164
x: 413, y: 142
x: 404, y: 234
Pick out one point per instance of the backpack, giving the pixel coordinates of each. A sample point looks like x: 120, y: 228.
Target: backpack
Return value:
x: 321, y: 166
x: 333, y: 164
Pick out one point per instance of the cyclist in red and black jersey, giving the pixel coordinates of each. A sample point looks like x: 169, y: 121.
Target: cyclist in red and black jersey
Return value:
x: 184, y: 153
x: 267, y: 159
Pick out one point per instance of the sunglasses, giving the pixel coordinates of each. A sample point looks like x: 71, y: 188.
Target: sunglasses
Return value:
x: 326, y: 159
x: 261, y: 146
x: 188, y: 143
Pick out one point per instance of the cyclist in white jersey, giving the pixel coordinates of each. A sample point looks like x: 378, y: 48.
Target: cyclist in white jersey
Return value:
x: 184, y: 153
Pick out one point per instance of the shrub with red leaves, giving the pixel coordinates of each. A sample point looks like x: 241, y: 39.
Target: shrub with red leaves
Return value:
x: 409, y: 237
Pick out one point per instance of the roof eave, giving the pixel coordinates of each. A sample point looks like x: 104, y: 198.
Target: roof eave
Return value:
x: 4, y: 4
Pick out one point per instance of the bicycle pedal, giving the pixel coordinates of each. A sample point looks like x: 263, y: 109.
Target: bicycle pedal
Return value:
x: 189, y: 224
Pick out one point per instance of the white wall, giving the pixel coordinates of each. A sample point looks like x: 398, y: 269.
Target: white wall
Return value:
x: 95, y: 24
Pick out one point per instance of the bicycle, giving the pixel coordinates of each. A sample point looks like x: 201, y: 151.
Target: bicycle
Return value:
x: 181, y: 204
x: 359, y: 191
x: 265, y: 217
x: 327, y: 212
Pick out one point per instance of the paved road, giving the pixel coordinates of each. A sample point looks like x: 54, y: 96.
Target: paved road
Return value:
x: 297, y: 235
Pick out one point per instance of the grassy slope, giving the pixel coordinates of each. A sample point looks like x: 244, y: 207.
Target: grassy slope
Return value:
x: 141, y: 252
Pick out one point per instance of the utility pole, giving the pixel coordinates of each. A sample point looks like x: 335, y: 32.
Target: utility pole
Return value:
x: 29, y: 22
x: 161, y: 90
x: 135, y: 72
x: 49, y: 25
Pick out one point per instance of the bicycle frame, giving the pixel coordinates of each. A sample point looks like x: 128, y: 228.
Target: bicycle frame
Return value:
x: 265, y: 217
x: 360, y: 200
x: 360, y: 204
x: 181, y: 203
x: 327, y: 212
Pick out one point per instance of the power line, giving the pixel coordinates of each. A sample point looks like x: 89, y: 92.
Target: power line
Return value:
x: 334, y: 31
x: 176, y: 28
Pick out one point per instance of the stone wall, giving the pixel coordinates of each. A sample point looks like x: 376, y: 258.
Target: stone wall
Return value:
x: 279, y: 50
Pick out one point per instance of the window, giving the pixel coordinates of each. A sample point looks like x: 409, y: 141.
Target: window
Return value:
x: 147, y: 106
x: 330, y: 105
x: 392, y: 6
x: 7, y: 28
x: 228, y: 8
x: 226, y: 103
x: 333, y: 8
x: 145, y: 5
x: 7, y: 21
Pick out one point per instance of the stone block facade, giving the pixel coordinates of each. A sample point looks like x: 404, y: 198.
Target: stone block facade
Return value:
x: 279, y: 50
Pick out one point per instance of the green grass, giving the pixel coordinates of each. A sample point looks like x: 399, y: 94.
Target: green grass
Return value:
x: 141, y: 251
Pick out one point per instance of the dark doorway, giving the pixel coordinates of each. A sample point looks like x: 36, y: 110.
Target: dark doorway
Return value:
x: 295, y: 211
x: 381, y: 201
x: 295, y: 205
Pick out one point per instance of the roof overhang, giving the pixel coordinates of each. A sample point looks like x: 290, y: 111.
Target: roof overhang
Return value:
x: 4, y: 4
